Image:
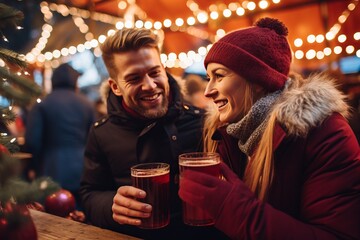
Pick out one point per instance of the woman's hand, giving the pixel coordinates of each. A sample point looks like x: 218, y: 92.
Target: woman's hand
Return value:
x: 206, y: 191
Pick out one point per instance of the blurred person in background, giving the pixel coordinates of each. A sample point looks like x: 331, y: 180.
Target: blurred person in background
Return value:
x: 57, y: 130
x: 195, y: 86
x: 100, y: 104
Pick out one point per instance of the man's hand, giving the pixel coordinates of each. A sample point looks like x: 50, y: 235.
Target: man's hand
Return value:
x: 126, y: 209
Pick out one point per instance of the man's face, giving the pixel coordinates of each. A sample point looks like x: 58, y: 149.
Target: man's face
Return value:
x: 142, y: 82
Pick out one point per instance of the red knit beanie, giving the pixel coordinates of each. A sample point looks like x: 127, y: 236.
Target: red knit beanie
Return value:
x: 260, y: 54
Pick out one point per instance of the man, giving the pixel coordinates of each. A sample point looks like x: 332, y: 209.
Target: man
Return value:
x: 147, y: 122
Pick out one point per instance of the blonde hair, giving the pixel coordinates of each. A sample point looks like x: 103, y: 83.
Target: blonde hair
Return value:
x: 126, y: 40
x: 259, y: 171
x: 211, y: 123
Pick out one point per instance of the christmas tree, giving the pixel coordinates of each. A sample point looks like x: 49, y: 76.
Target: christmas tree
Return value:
x: 19, y: 90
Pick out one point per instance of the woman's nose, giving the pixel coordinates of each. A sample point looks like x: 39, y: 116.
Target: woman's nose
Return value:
x: 209, y: 90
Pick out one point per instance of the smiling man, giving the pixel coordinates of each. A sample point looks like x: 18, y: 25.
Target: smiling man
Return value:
x: 147, y: 122
x: 142, y: 83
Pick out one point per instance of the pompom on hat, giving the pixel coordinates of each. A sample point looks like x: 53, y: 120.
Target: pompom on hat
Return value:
x: 261, y: 54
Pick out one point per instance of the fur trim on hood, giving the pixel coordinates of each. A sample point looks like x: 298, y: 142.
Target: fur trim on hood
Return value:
x: 305, y: 103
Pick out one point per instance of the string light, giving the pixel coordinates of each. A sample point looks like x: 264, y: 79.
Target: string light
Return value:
x: 122, y: 5
x: 330, y: 36
x: 327, y: 51
x: 200, y: 16
x: 263, y: 4
x: 78, y: 15
x: 299, y: 54
x: 349, y: 49
x: 337, y: 50
x: 319, y: 38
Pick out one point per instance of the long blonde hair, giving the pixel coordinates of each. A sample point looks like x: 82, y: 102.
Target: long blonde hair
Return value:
x: 259, y: 171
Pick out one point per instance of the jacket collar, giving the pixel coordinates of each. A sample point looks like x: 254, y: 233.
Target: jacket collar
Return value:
x: 304, y: 104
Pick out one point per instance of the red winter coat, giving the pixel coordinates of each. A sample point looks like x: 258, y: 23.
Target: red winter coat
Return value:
x: 315, y: 193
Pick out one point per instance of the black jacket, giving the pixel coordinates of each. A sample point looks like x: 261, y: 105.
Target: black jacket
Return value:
x: 120, y: 141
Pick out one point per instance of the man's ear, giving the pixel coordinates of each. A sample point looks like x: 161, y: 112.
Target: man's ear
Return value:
x: 114, y: 87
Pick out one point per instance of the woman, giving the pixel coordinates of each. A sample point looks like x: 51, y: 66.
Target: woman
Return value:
x: 292, y: 161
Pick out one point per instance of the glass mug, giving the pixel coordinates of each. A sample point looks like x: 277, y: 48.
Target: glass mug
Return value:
x: 205, y: 162
x: 154, y: 179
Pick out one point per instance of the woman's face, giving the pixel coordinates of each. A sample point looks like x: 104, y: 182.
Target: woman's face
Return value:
x: 227, y: 90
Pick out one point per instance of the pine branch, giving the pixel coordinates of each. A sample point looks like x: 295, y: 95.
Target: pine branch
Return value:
x: 9, y: 16
x: 19, y: 89
x: 24, y: 192
x: 7, y: 116
x: 12, y: 57
x: 25, y: 84
x: 17, y: 97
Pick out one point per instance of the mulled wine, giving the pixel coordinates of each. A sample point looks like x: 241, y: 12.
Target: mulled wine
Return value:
x: 208, y: 163
x: 154, y: 179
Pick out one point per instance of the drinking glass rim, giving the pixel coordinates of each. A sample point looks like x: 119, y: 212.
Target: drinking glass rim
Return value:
x: 161, y: 165
x: 199, y: 155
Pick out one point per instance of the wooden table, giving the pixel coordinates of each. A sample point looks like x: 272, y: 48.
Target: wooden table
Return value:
x: 51, y: 227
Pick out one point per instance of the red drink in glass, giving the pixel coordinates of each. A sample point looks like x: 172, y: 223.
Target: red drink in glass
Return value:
x: 154, y: 179
x: 208, y: 163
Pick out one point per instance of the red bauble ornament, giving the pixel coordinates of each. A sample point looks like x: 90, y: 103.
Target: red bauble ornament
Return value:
x: 60, y: 203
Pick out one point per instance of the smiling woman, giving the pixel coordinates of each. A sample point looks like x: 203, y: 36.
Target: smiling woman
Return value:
x: 281, y: 139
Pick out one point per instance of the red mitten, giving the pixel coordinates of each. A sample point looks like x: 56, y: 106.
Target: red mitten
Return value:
x: 206, y: 191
